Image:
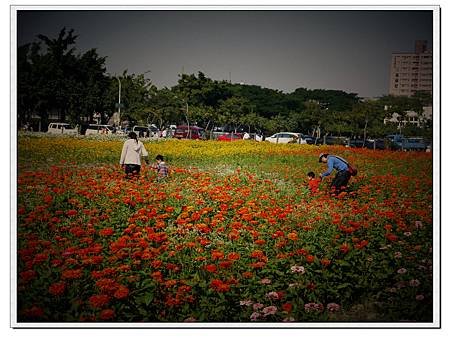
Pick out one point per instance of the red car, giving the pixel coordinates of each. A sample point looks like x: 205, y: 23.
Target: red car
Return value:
x: 189, y: 132
x: 230, y: 137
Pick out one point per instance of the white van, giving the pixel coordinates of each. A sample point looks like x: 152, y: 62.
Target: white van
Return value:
x: 61, y: 128
x: 102, y: 129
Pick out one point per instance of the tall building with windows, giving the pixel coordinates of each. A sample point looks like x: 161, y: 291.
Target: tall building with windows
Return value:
x: 412, y: 72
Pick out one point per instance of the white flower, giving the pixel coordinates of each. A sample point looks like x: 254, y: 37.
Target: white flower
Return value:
x: 298, y: 269
x: 245, y: 302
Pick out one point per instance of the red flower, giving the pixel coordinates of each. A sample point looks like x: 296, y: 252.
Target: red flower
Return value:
x: 361, y: 244
x: 391, y: 237
x: 106, y: 232
x: 219, y: 286
x: 57, y: 289
x: 122, y: 292
x: 287, y: 307
x: 225, y: 264
x: 98, y: 301
x: 107, y: 314
x: 344, y: 248
x: 71, y: 274
x: 211, y: 268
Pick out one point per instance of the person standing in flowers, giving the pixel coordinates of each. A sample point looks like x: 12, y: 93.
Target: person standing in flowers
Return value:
x: 161, y: 167
x: 132, y: 151
x: 342, y: 177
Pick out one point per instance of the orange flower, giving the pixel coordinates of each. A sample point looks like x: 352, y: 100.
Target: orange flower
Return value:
x: 216, y: 254
x: 211, y: 268
x: 292, y: 236
x: 257, y: 254
x: 219, y: 286
x: 325, y: 262
x: 310, y: 258
x: 233, y: 256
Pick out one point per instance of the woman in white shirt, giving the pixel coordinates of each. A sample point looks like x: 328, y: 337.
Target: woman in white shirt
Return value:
x: 132, y: 151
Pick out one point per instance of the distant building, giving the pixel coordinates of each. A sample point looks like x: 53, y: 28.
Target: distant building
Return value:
x: 412, y: 72
x: 411, y: 117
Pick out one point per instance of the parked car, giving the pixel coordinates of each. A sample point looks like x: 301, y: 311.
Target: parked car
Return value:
x: 61, y: 128
x: 97, y: 129
x: 308, y: 139
x: 189, y: 132
x: 399, y: 142
x: 284, y: 137
x: 230, y: 137
x: 357, y: 143
x: 378, y: 143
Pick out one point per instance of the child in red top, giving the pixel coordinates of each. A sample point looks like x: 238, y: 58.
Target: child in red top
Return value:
x: 313, y: 183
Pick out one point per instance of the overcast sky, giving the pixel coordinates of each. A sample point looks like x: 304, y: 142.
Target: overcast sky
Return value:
x: 279, y: 49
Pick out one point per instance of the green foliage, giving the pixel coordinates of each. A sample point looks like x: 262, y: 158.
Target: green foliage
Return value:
x: 52, y: 78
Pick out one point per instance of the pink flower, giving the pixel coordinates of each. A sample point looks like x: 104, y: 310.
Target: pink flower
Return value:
x: 309, y: 307
x: 333, y: 307
x: 398, y: 254
x: 266, y: 281
x: 255, y: 316
x: 402, y: 271
x: 245, y: 302
x: 273, y: 295
x: 420, y: 297
x: 418, y: 224
x: 269, y: 310
x: 257, y: 306
x: 414, y: 282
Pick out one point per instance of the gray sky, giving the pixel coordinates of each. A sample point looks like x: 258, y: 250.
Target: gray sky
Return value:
x: 278, y: 49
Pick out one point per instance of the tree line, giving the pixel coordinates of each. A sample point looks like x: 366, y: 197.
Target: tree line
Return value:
x: 53, y: 79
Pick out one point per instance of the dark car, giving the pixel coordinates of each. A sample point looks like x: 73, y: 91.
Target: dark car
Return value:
x: 378, y: 143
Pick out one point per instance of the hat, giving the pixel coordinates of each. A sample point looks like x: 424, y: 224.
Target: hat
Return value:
x: 322, y: 155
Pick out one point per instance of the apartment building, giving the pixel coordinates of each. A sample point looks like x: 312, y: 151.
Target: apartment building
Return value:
x: 411, y: 72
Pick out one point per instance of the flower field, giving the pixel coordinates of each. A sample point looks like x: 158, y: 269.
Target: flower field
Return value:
x: 233, y: 235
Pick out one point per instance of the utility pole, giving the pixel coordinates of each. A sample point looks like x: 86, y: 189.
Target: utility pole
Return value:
x: 120, y: 88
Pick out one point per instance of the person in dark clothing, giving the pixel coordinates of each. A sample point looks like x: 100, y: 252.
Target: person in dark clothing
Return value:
x: 337, y: 163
